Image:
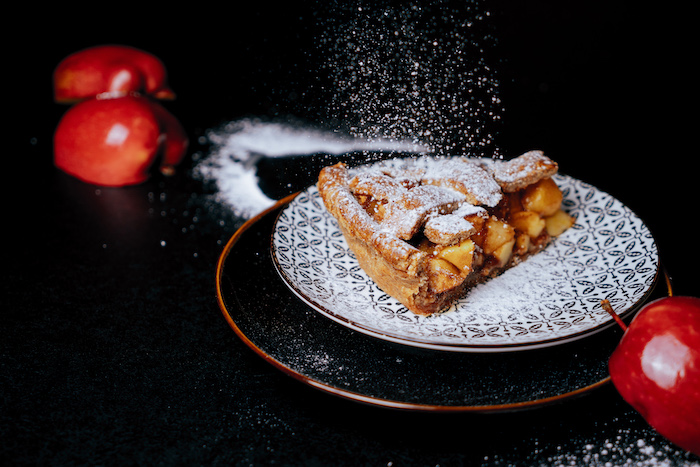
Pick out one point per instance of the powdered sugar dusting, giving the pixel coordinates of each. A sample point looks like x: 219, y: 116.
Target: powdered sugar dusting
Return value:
x: 622, y: 448
x: 409, y: 193
x: 449, y: 224
x: 407, y: 208
x: 468, y: 210
x: 240, y: 144
x: 472, y: 180
x: 463, y: 175
x: 247, y: 138
x: 412, y: 70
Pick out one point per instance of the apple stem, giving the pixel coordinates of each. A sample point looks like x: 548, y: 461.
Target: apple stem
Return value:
x: 607, y: 307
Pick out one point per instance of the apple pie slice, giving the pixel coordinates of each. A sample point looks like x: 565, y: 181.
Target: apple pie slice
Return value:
x: 427, y: 229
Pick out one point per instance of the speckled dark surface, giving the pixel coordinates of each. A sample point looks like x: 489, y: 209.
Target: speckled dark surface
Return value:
x: 113, y: 350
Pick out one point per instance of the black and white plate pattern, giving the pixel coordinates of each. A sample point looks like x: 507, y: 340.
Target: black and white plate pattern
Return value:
x: 552, y: 298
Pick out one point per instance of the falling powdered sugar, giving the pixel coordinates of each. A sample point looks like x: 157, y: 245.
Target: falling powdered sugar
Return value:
x: 394, y: 77
x: 412, y: 69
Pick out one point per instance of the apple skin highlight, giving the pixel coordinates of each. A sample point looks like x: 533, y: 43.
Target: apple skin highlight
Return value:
x: 656, y: 368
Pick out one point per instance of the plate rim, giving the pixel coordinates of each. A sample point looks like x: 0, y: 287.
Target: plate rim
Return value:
x: 363, y: 398
x: 419, y: 342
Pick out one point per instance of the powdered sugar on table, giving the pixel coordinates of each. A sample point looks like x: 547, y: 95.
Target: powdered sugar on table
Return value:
x: 239, y: 145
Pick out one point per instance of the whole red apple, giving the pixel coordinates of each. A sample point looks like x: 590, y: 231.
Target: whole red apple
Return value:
x: 115, y: 141
x: 656, y: 368
x: 109, y: 69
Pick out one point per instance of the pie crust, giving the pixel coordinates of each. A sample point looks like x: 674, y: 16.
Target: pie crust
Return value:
x: 428, y: 229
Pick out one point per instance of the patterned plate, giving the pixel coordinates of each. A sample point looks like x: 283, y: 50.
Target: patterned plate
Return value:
x: 552, y: 298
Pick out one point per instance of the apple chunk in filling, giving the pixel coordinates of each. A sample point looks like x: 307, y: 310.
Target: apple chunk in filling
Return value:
x: 558, y: 222
x: 543, y: 197
x: 499, y: 240
x: 460, y: 255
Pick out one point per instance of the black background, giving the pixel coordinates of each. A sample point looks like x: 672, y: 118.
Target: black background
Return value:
x: 604, y: 87
x: 113, y: 348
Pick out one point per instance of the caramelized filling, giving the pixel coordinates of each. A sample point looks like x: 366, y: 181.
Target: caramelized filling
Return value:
x: 480, y: 241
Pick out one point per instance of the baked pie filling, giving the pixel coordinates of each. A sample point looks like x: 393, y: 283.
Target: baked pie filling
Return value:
x: 427, y: 230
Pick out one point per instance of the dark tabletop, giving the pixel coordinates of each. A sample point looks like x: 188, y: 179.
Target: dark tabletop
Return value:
x: 113, y: 348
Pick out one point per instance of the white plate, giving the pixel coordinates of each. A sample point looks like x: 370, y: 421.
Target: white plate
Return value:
x: 552, y: 298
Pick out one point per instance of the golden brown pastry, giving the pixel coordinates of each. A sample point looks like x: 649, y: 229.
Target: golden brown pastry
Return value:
x: 426, y: 230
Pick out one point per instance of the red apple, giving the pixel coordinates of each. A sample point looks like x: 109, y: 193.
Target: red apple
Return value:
x: 656, y: 368
x: 109, y: 69
x: 176, y: 141
x: 115, y: 141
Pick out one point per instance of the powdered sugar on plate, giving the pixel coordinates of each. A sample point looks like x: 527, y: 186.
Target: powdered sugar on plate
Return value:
x: 547, y: 300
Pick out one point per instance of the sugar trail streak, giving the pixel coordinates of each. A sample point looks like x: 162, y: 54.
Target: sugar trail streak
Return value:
x: 239, y: 145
